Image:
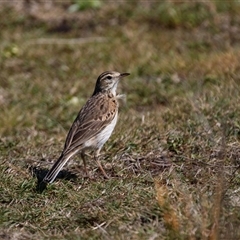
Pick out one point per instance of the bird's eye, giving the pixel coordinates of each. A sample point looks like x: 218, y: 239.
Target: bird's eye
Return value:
x: 109, y: 77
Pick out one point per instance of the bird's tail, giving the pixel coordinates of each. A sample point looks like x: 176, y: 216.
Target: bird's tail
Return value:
x: 56, y: 168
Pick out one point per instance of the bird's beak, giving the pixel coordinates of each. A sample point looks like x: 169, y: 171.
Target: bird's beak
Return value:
x: 124, y: 74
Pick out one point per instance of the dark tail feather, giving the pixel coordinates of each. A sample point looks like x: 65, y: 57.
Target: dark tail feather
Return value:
x: 56, y: 168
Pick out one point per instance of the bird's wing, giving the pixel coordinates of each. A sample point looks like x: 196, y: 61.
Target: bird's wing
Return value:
x: 96, y: 114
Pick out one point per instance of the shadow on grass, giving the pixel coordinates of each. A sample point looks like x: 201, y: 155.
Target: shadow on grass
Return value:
x: 40, y: 173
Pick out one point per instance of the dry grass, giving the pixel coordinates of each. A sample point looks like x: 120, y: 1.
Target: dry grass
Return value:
x: 174, y: 155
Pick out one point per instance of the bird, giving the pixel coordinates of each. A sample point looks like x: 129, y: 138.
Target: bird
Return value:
x: 93, y: 125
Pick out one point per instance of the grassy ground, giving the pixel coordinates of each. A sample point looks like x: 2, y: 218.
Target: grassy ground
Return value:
x: 174, y: 155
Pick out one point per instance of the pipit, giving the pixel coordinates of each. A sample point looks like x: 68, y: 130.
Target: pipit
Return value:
x: 93, y: 125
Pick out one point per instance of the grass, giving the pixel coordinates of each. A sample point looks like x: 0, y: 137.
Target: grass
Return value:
x: 174, y: 155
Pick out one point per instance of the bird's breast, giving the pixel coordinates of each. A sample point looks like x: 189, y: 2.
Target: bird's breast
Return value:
x: 104, y: 135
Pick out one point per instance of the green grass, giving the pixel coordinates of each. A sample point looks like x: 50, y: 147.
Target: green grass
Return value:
x: 174, y: 156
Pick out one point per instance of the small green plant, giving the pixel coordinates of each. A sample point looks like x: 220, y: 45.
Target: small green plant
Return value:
x: 10, y: 51
x: 80, y: 5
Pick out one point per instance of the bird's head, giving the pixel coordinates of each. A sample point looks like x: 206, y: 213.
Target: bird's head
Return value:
x: 108, y: 81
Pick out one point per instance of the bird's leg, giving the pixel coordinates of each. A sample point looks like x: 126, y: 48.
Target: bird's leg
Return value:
x: 96, y: 157
x: 84, y: 163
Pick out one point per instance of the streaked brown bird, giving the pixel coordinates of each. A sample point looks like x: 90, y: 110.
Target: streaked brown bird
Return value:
x: 93, y: 125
